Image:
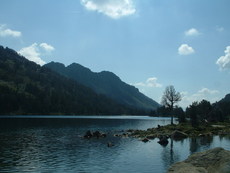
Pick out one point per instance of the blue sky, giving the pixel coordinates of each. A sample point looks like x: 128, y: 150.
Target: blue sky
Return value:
x: 148, y: 43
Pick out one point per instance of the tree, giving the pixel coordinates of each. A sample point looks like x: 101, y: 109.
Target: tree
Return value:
x: 203, y: 109
x: 170, y: 98
x: 191, y: 111
x: 179, y: 112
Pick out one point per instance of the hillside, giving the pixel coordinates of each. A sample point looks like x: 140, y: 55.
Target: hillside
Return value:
x: 106, y: 83
x: 224, y: 106
x: 27, y: 88
x: 226, y: 98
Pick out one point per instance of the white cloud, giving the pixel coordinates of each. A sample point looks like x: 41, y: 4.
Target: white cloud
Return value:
x: 112, y: 8
x: 224, y: 61
x: 185, y: 49
x: 202, y: 94
x: 206, y: 91
x: 47, y: 47
x: 33, y: 52
x: 6, y: 32
x: 192, y: 32
x: 150, y: 82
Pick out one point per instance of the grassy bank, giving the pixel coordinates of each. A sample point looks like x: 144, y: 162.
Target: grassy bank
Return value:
x: 207, y: 129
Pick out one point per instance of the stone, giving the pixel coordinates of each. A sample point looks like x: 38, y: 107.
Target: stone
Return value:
x: 88, y: 134
x: 117, y: 135
x: 216, y: 160
x: 145, y: 140
x: 96, y: 134
x: 103, y: 135
x: 163, y: 140
x: 177, y: 135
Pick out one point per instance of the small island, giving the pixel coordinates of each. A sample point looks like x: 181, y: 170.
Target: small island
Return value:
x: 198, y: 120
x: 183, y: 130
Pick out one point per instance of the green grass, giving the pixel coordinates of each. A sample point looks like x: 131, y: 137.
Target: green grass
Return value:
x: 201, y: 130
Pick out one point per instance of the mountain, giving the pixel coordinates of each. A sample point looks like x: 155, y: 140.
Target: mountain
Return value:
x: 27, y: 88
x: 226, y: 98
x: 106, y: 83
x: 224, y: 106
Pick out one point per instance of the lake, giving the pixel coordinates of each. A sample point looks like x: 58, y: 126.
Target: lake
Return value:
x: 54, y: 144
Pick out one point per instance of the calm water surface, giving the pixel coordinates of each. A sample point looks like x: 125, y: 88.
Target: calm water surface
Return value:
x: 55, y: 145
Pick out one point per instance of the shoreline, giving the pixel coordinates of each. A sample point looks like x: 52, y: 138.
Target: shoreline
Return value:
x: 208, y: 129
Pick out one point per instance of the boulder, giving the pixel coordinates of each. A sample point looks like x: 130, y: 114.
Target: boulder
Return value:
x: 216, y: 160
x: 145, y: 140
x: 103, y: 135
x: 98, y: 134
x: 177, y: 135
x: 117, y: 135
x: 88, y: 134
x: 163, y: 140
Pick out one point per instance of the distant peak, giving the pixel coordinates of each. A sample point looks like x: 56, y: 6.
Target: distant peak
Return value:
x: 78, y: 67
x: 109, y: 74
x: 56, y: 63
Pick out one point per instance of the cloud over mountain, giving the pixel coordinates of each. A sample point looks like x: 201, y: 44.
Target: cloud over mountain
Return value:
x: 7, y: 32
x: 46, y: 47
x: 33, y: 52
x: 112, y: 8
x: 150, y: 82
x: 203, y: 94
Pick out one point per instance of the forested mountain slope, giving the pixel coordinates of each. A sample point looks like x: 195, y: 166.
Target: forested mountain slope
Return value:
x: 27, y: 88
x: 106, y: 83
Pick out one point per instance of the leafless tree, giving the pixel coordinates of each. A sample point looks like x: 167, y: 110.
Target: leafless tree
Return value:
x: 170, y: 98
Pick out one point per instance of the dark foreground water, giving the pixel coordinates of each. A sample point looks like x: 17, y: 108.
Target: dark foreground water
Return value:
x: 55, y: 145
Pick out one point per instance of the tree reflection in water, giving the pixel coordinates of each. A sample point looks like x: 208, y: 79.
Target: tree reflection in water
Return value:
x: 169, y: 155
x: 172, y: 153
x: 200, y: 143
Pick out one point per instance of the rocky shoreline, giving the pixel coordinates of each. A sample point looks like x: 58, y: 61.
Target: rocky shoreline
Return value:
x: 181, y: 131
x: 163, y: 133
x: 216, y: 160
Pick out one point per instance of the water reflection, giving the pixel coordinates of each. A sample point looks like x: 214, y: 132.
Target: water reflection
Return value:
x: 200, y: 143
x: 169, y: 154
x: 49, y: 145
x: 178, y: 150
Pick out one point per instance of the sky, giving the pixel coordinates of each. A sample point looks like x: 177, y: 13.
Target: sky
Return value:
x: 150, y: 44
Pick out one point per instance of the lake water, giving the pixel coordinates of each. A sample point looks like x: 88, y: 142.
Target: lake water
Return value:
x: 54, y: 144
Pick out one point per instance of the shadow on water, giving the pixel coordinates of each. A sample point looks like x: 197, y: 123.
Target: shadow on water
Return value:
x: 200, y: 143
x: 177, y: 151
x: 55, y: 144
x: 169, y: 155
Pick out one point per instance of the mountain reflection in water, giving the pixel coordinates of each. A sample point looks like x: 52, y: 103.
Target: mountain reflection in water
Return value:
x: 54, y: 144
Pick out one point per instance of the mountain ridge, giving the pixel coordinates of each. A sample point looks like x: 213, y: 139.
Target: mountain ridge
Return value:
x: 27, y: 88
x: 106, y: 83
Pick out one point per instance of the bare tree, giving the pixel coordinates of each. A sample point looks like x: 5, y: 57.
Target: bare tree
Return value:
x: 170, y: 98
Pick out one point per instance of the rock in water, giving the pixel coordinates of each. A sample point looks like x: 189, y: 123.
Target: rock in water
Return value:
x: 216, y: 160
x: 96, y: 134
x: 177, y: 135
x: 163, y: 141
x: 88, y: 134
x: 145, y: 140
